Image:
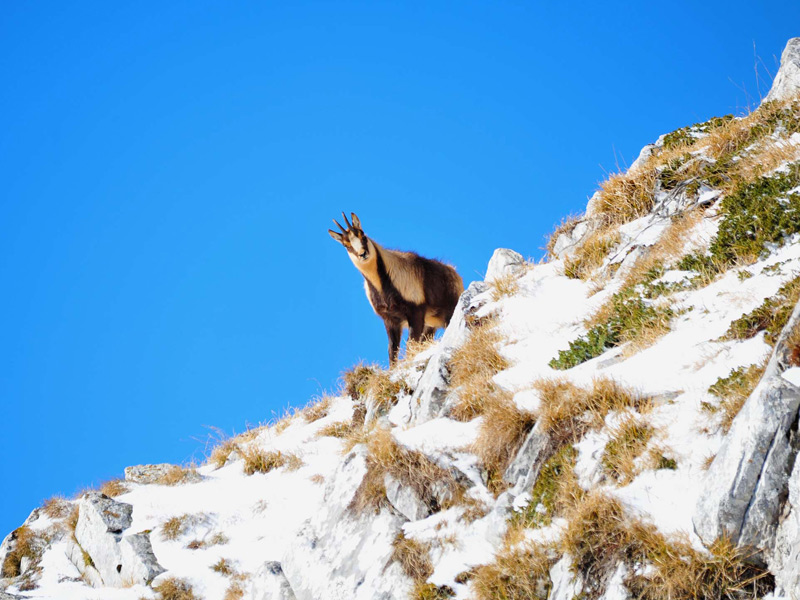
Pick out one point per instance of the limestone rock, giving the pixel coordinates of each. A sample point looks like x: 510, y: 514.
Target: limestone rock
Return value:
x: 148, y: 474
x: 341, y: 555
x: 405, y: 500
x: 269, y: 583
x: 784, y: 561
x: 565, y: 584
x: 747, y: 483
x: 787, y: 81
x: 118, y: 560
x: 521, y: 474
x: 504, y: 262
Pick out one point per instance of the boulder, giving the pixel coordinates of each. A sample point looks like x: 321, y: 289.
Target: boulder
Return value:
x: 784, y: 561
x: 787, y: 81
x: 269, y: 583
x: 524, y: 469
x: 504, y: 262
x: 405, y: 500
x: 120, y: 560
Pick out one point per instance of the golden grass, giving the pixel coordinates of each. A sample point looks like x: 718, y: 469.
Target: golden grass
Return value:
x: 567, y: 411
x: 173, y: 588
x: 764, y: 159
x: 177, y: 475
x: 472, y: 367
x: 587, y: 257
x: 317, y: 409
x: 501, y: 433
x: 340, y: 429
x: 257, y: 460
x: 504, y: 286
x: 599, y: 535
x: 356, y: 379
x: 175, y: 527
x: 222, y: 452
x: 410, y: 467
x: 627, y: 196
x: 520, y: 572
x: 414, y: 347
x: 26, y: 544
x: 57, y: 507
x: 235, y: 591
x: 413, y: 557
x: 114, y: 488
x: 793, y: 347
x: 224, y: 567
x: 628, y: 442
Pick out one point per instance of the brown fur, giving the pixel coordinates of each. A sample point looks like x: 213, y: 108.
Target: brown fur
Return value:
x: 403, y: 288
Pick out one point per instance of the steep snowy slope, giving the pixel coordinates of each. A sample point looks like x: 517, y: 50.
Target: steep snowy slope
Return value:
x: 617, y: 422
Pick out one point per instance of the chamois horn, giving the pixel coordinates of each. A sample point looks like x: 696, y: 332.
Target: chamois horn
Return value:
x: 349, y: 226
x: 339, y: 226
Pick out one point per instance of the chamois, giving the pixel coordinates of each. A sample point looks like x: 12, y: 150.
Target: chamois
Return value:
x: 404, y: 288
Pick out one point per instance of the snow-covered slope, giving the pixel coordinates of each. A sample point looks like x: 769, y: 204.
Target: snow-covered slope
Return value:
x: 619, y: 421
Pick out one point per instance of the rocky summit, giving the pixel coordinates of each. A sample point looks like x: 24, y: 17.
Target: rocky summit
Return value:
x: 617, y: 421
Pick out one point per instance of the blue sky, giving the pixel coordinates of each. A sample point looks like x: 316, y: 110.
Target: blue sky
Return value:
x: 169, y: 171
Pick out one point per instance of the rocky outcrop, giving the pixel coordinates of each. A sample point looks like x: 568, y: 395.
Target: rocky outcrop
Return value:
x: 101, y: 551
x: 787, y: 81
x: 149, y: 474
x: 504, y: 262
x: 747, y: 484
x: 342, y: 555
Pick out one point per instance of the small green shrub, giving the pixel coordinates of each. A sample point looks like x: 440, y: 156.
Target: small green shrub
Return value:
x: 771, y: 316
x: 683, y: 136
x: 733, y: 391
x: 757, y: 214
x: 630, y: 317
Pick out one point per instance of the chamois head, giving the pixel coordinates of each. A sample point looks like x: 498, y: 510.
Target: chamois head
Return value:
x: 353, y: 238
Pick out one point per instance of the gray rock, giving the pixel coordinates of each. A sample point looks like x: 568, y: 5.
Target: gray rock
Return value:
x: 504, y: 262
x: 269, y: 583
x: 341, y: 555
x: 787, y: 81
x: 119, y: 561
x: 405, y: 500
x: 747, y: 483
x: 428, y: 400
x: 567, y: 242
x: 524, y: 469
x: 565, y: 585
x: 148, y: 474
x: 7, y: 596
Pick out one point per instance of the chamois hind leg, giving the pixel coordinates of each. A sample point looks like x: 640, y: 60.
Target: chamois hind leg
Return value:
x: 428, y: 333
x: 394, y: 331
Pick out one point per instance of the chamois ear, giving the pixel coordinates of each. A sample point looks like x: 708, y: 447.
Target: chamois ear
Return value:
x: 356, y: 220
x: 336, y: 235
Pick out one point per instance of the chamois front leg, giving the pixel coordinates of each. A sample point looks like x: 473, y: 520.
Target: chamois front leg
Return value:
x: 394, y: 331
x: 428, y: 333
x: 416, y: 323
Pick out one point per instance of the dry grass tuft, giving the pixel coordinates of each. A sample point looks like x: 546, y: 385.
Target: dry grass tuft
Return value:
x: 472, y: 368
x: 519, y: 572
x: 317, y: 409
x: 506, y: 285
x: 628, y: 441
x: 568, y: 411
x: 222, y: 452
x: 57, y: 507
x: 257, y: 460
x: 600, y: 535
x: 224, y: 567
x: 177, y: 475
x: 341, y: 429
x: 357, y: 378
x: 627, y: 196
x: 235, y: 591
x: 411, y: 468
x: 414, y: 347
x: 175, y: 527
x: 501, y: 433
x: 413, y: 557
x: 591, y: 253
x: 114, y: 488
x: 173, y: 588
x: 765, y: 159
x: 26, y: 543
